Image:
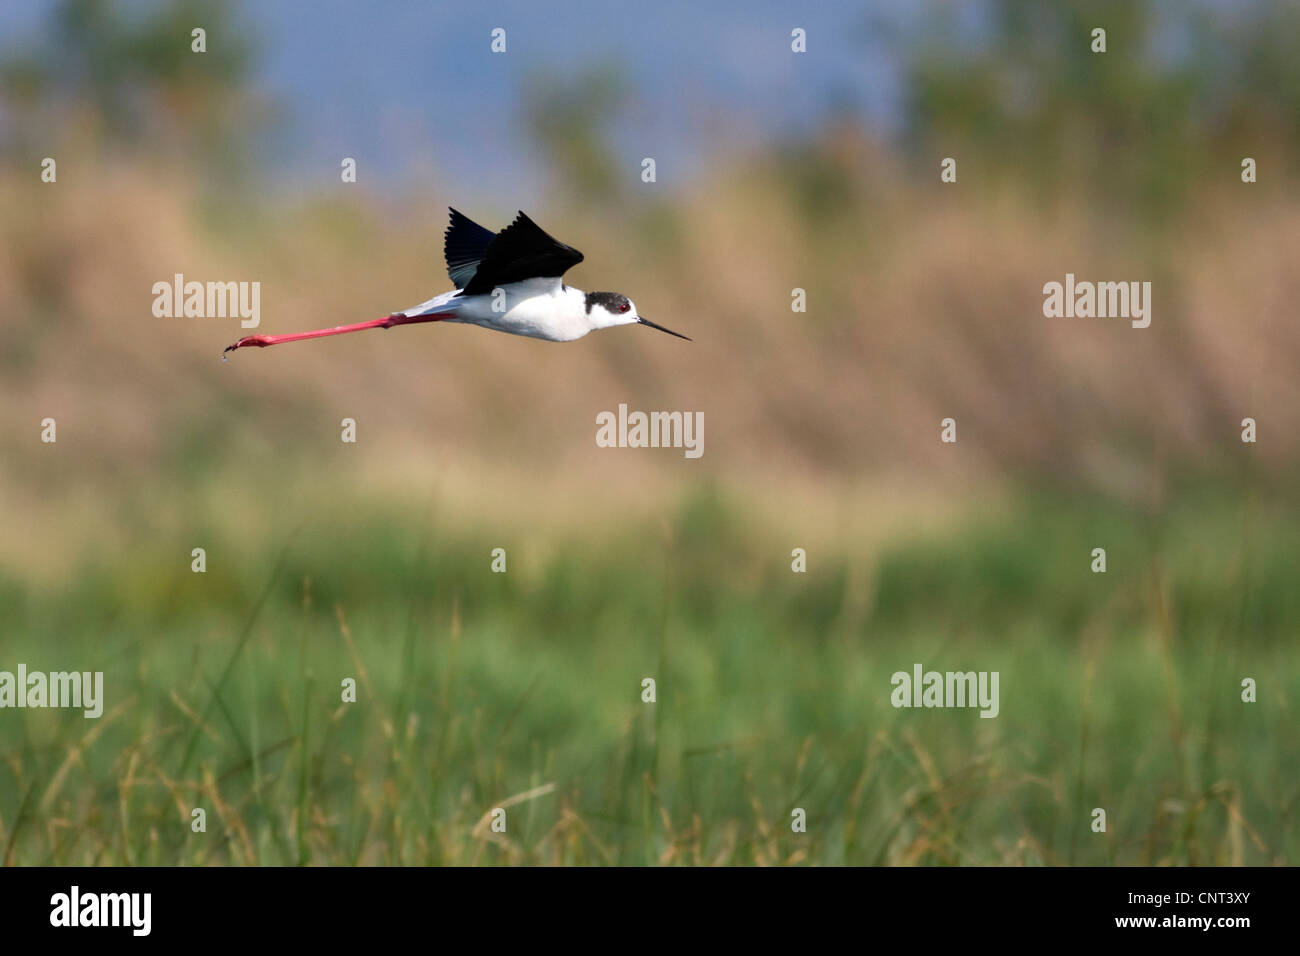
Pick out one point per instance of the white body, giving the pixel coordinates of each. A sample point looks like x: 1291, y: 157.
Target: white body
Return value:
x: 539, y: 308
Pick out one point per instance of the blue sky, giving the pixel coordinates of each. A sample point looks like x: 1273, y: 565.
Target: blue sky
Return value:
x: 410, y: 87
x: 418, y: 86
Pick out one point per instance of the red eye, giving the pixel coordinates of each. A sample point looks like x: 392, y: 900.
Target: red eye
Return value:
x: 624, y: 307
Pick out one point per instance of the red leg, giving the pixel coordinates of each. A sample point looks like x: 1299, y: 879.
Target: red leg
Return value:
x: 387, y: 322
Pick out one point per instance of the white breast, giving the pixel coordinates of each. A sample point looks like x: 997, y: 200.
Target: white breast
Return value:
x: 538, y: 308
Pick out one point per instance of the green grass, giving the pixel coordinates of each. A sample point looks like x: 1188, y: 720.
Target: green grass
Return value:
x: 1119, y: 691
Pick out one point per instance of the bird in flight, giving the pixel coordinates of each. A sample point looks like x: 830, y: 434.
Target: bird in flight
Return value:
x: 509, y: 281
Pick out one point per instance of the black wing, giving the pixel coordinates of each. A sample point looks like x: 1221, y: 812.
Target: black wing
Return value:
x: 464, y: 247
x: 521, y: 251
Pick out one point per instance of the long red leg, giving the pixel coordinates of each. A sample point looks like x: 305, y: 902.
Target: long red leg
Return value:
x: 387, y: 322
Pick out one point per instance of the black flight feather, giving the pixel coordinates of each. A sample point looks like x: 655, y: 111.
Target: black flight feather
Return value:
x: 465, y: 245
x: 520, y: 251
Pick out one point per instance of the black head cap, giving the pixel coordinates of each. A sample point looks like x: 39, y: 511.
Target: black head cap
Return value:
x: 612, y: 301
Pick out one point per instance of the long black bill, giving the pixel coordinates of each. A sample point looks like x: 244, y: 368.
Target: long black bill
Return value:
x: 662, y: 329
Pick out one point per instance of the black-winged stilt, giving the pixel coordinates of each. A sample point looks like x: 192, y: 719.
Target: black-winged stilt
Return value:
x: 508, y: 281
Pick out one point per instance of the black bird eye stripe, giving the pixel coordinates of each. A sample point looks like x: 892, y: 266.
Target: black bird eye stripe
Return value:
x: 612, y: 301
